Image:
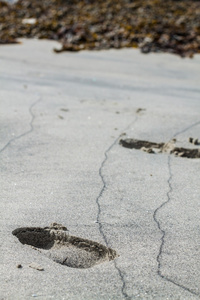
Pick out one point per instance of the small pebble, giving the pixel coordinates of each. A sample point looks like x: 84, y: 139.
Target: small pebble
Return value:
x: 193, y: 141
x: 181, y: 154
x: 19, y: 266
x: 36, y: 266
x: 150, y: 150
x: 123, y: 133
x: 190, y: 140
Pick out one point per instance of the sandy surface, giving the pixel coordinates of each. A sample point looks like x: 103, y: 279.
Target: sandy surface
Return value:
x: 62, y: 116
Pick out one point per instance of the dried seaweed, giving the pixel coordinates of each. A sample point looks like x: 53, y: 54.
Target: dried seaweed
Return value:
x: 152, y: 25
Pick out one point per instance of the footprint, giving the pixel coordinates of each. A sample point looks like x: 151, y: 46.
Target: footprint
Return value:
x: 152, y: 147
x: 58, y: 245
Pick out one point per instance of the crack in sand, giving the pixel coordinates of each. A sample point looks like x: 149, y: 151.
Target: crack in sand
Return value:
x: 159, y: 256
x: 30, y: 124
x: 121, y: 274
x: 99, y: 212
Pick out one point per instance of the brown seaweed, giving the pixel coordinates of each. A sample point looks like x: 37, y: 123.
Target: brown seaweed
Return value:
x: 152, y: 25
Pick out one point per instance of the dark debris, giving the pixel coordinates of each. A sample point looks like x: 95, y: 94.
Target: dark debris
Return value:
x: 152, y: 25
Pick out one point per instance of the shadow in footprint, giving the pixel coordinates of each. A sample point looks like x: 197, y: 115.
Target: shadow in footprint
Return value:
x: 67, y: 250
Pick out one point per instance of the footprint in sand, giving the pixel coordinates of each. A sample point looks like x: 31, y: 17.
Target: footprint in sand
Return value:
x: 169, y: 147
x: 55, y: 242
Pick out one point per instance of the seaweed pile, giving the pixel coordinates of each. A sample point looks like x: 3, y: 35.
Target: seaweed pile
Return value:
x: 152, y: 25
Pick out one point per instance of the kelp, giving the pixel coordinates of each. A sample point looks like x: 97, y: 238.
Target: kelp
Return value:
x: 152, y: 25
